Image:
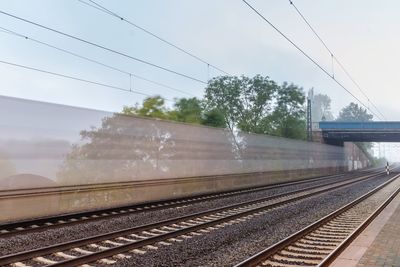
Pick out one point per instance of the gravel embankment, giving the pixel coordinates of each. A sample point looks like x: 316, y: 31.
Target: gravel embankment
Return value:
x: 230, y: 245
x: 63, y: 234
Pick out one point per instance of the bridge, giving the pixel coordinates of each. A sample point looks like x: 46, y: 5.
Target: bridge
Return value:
x: 376, y: 131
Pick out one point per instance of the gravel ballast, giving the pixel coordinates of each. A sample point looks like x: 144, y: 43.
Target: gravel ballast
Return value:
x: 232, y: 244
x: 14, y: 244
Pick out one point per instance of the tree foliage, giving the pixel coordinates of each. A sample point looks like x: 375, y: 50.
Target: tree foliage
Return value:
x: 255, y: 105
x: 153, y: 107
x: 258, y: 105
x: 288, y: 118
x: 214, y: 118
x: 354, y: 113
x: 188, y: 110
x: 244, y: 102
x: 321, y: 108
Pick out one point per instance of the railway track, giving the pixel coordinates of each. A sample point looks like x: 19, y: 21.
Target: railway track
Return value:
x: 321, y: 242
x: 41, y: 224
x: 108, y: 248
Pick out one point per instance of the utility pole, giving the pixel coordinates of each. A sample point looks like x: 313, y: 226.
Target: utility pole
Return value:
x: 309, y: 117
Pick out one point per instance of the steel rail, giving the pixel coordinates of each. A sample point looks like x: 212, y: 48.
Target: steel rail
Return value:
x: 22, y: 256
x: 256, y: 259
x: 334, y: 254
x: 41, y: 224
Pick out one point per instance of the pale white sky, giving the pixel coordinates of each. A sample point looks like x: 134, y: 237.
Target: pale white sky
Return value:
x: 364, y: 35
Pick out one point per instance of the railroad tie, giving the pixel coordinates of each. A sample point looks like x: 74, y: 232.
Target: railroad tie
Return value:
x: 309, y: 255
x: 126, y: 239
x: 149, y: 233
x: 294, y: 261
x: 270, y: 263
x: 98, y: 247
x: 312, y: 246
x: 297, y: 249
x: 64, y: 255
x: 112, y: 243
x: 122, y: 256
x: 164, y: 243
x: 169, y: 228
x: 138, y: 236
x: 188, y: 223
x: 19, y: 264
x: 107, y: 261
x: 196, y: 233
x: 44, y: 260
x: 138, y: 251
x: 159, y: 231
x: 82, y: 251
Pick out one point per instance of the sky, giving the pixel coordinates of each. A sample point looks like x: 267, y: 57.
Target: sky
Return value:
x: 363, y: 35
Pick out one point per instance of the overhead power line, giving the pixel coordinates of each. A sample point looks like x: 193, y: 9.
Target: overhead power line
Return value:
x: 103, y: 9
x: 103, y: 47
x: 8, y: 31
x: 308, y: 56
x: 77, y: 79
x: 334, y: 57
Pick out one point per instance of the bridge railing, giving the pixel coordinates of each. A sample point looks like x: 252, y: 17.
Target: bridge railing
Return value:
x: 373, y: 125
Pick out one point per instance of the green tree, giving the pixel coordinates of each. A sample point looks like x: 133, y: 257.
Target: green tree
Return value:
x: 214, y: 118
x: 153, y: 107
x: 353, y: 113
x: 187, y: 110
x: 288, y: 118
x: 321, y: 108
x: 244, y: 102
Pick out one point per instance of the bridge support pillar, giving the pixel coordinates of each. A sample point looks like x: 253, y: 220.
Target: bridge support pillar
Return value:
x: 354, y: 157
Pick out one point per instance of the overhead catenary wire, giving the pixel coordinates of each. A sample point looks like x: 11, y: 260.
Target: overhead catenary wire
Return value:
x: 8, y: 31
x: 77, y: 79
x: 103, y: 47
x: 102, y: 8
x: 334, y: 57
x: 308, y: 56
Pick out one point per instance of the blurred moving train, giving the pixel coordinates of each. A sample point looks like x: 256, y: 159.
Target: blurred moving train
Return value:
x: 59, y: 159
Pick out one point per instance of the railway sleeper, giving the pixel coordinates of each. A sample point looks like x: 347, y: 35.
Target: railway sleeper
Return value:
x: 324, y: 231
x: 302, y: 256
x: 286, y: 260
x: 312, y: 246
x: 317, y: 243
x: 326, y: 236
x: 321, y: 240
x: 313, y: 250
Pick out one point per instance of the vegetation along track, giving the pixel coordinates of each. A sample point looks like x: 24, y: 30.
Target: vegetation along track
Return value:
x: 35, y: 225
x: 319, y: 243
x: 107, y: 248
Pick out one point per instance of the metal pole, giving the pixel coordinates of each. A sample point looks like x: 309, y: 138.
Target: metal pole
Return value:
x: 309, y: 117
